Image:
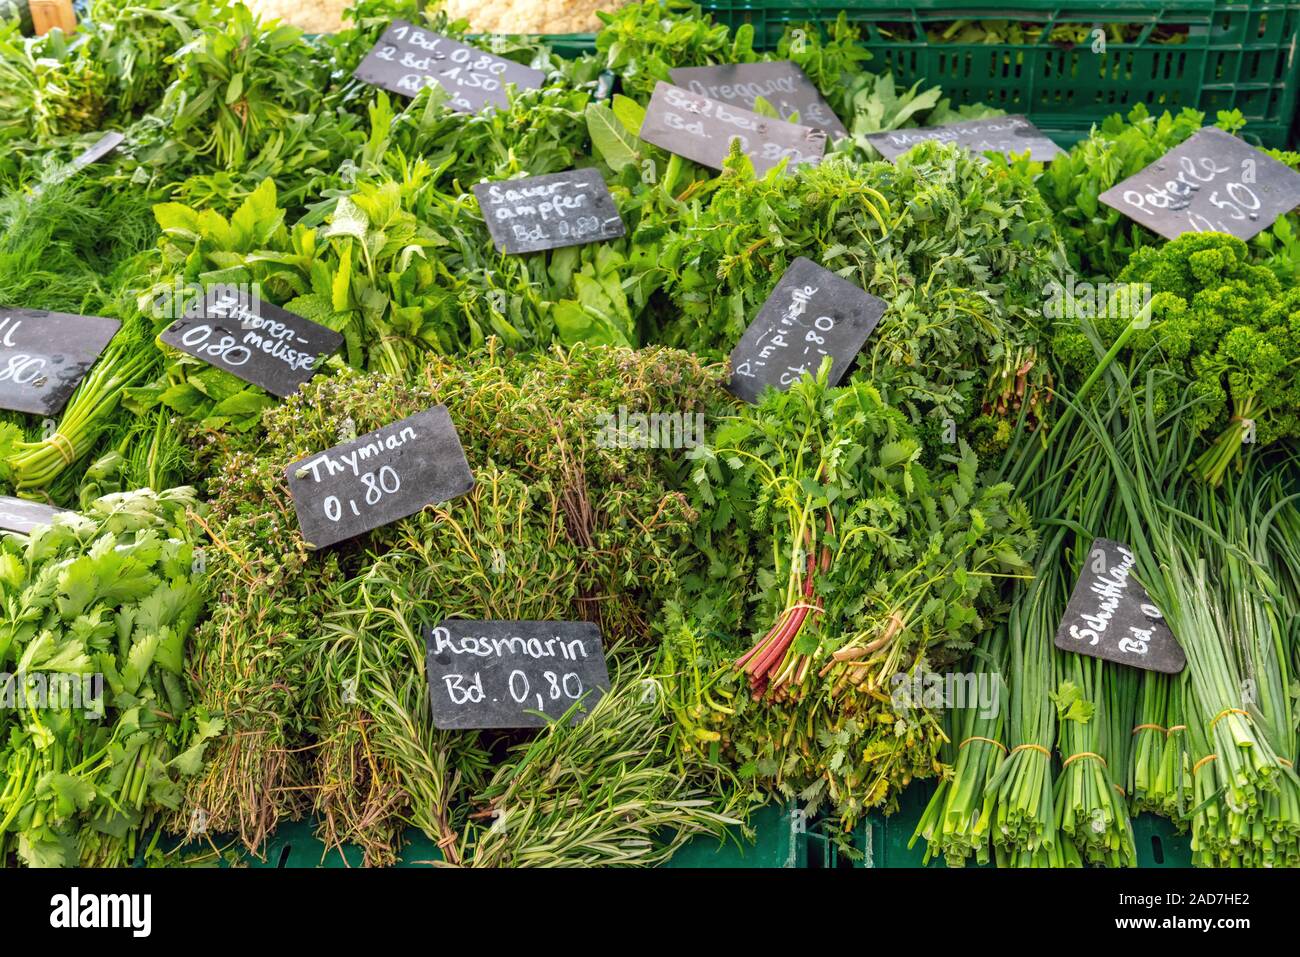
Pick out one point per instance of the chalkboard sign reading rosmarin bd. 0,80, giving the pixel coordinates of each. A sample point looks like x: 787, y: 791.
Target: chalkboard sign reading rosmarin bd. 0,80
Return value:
x: 408, y: 58
x: 512, y: 674
x: 1111, y: 616
x: 811, y: 314
x: 379, y: 478
x: 44, y: 355
x: 547, y: 212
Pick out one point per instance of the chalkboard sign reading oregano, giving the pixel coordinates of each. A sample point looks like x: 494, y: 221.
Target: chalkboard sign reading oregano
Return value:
x: 1211, y: 182
x: 547, y: 212
x: 781, y: 83
x: 237, y: 331
x: 24, y: 517
x: 1111, y: 616
x: 1000, y: 134
x: 379, y: 478
x: 43, y: 355
x: 408, y: 58
x: 702, y: 129
x: 811, y: 314
x: 512, y: 674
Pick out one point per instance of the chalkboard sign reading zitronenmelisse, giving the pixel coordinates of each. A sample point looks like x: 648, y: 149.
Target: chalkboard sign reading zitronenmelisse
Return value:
x: 384, y: 475
x: 702, y: 129
x: 812, y: 313
x: 408, y: 58
x: 43, y: 355
x: 1212, y: 182
x: 999, y: 134
x: 255, y: 340
x: 1111, y: 616
x: 21, y: 516
x: 547, y: 212
x: 781, y: 83
x: 500, y: 674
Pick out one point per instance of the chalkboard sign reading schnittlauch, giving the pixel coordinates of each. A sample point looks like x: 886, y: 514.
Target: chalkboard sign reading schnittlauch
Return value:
x: 24, y: 517
x: 379, y: 478
x: 1111, y: 616
x: 512, y: 674
x: 1212, y: 182
x: 702, y: 129
x: 781, y: 83
x: 254, y: 340
x: 1000, y: 134
x: 547, y: 212
x: 44, y: 355
x: 408, y: 58
x: 812, y: 313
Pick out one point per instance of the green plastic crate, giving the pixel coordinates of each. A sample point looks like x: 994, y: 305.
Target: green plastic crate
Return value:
x: 1238, y: 54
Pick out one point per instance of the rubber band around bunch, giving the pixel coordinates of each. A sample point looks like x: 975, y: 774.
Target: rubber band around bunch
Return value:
x: 976, y: 737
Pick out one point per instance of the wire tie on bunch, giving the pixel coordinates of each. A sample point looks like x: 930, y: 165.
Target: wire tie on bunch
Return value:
x: 976, y: 737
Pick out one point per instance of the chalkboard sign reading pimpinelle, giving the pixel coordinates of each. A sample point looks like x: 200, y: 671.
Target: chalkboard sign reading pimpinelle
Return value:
x: 812, y: 313
x: 781, y: 83
x: 547, y: 212
x: 512, y: 674
x: 408, y: 58
x: 1111, y: 616
x: 1212, y: 182
x: 379, y: 478
x: 43, y: 355
x: 702, y: 129
x: 24, y: 517
x: 1000, y: 134
x: 259, y: 342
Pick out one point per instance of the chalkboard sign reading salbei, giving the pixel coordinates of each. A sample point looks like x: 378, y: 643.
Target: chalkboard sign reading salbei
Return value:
x: 24, y: 517
x: 408, y: 58
x: 378, y: 478
x: 811, y: 314
x: 260, y: 343
x: 1212, y: 182
x: 998, y: 134
x: 702, y: 129
x: 781, y: 83
x: 1111, y: 616
x: 547, y: 212
x: 44, y: 355
x: 512, y: 674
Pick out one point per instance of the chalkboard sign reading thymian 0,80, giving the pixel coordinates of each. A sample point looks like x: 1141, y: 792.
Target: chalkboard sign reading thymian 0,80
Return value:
x: 547, y: 212
x: 254, y: 340
x: 512, y: 674
x: 43, y: 355
x: 1007, y: 135
x: 1212, y: 182
x: 408, y: 58
x: 384, y: 475
x: 1111, y: 616
x: 781, y: 83
x: 812, y: 313
x: 702, y: 129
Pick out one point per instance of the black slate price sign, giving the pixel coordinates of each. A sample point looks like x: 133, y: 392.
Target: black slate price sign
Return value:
x: 547, y: 212
x: 781, y: 83
x: 1111, y: 616
x: 702, y: 129
x: 43, y: 355
x: 408, y: 58
x: 255, y: 340
x: 22, y: 516
x: 492, y: 674
x: 1000, y: 134
x: 101, y: 148
x: 812, y: 313
x: 1212, y: 182
x: 378, y: 478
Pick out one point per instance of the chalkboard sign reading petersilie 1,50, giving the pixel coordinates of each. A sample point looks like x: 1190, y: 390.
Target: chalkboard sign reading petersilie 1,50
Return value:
x: 384, y: 475
x: 408, y: 58
x: 811, y: 314
x: 547, y: 212
x: 43, y: 355
x: 512, y: 674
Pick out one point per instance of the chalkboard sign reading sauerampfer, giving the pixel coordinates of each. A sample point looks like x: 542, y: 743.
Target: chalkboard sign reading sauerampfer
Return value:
x: 44, y: 355
x: 379, y: 478
x: 811, y: 314
x: 547, y: 212
x: 512, y: 674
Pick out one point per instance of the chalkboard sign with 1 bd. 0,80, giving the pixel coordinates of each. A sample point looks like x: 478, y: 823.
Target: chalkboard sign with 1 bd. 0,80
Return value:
x: 44, y: 355
x: 408, y: 58
x: 512, y: 674
x: 547, y: 212
x: 379, y: 478
x: 811, y: 314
